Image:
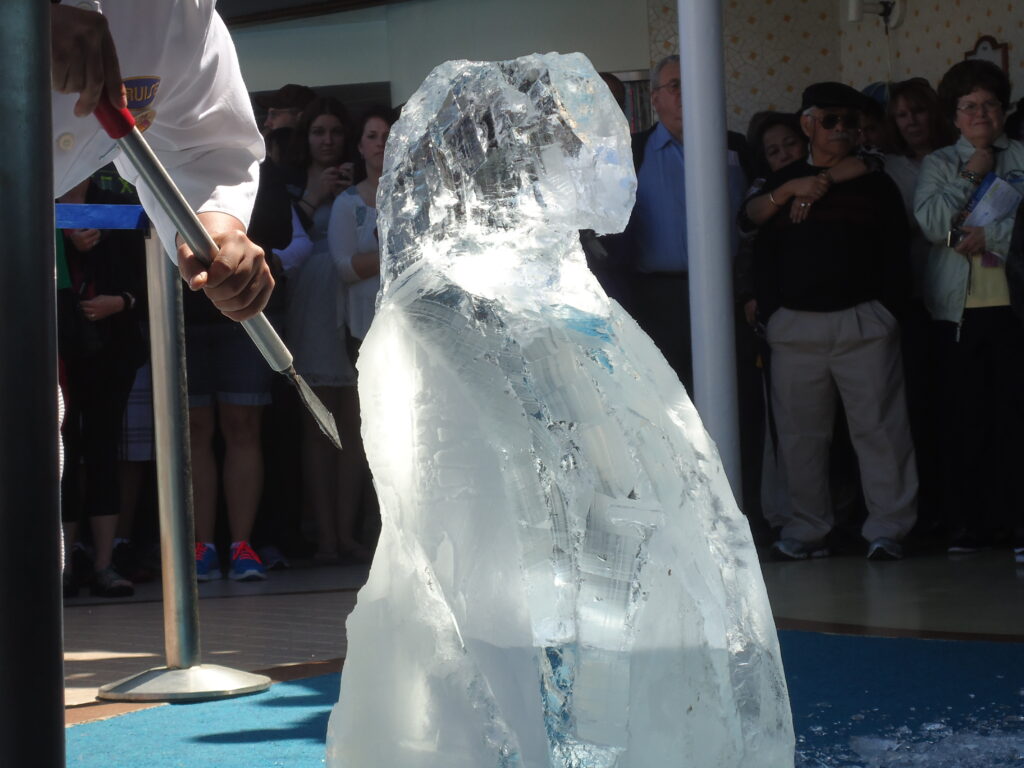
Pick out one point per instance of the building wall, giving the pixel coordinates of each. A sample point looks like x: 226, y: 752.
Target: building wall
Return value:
x: 333, y: 49
x: 774, y: 48
x: 403, y: 42
x: 935, y: 35
x: 425, y: 33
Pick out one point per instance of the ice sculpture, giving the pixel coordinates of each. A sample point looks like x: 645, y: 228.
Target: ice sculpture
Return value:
x: 563, y: 579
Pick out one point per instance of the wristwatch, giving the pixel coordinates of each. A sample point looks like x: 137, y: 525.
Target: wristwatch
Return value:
x: 129, y: 301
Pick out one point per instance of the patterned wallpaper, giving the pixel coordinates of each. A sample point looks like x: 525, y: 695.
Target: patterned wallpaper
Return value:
x: 774, y: 48
x: 935, y: 35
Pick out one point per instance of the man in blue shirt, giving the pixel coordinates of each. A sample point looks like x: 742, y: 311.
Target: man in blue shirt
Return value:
x: 658, y: 225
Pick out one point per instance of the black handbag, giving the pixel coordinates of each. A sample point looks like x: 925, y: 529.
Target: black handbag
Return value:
x: 77, y: 337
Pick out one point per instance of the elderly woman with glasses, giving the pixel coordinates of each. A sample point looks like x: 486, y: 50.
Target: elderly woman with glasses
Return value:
x: 966, y: 293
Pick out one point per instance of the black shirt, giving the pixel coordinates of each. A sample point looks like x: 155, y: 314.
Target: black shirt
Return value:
x: 852, y: 247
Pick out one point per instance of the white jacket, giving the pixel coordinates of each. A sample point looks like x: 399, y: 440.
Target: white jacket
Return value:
x: 940, y: 196
x: 186, y: 91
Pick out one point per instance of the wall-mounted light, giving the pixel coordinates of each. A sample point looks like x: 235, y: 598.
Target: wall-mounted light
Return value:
x: 892, y: 12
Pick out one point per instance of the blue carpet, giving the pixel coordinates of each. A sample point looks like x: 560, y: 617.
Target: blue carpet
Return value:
x: 286, y: 726
x: 857, y: 703
x: 890, y: 703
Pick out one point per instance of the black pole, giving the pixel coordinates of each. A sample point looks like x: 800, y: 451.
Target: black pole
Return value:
x: 31, y: 647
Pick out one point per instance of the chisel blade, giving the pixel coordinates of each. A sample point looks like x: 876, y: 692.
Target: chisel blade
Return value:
x: 317, y: 409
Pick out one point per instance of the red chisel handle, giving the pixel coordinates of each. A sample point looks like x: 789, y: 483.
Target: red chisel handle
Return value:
x: 118, y: 123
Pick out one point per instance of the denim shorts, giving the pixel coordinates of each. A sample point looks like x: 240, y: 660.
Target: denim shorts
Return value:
x: 223, y: 363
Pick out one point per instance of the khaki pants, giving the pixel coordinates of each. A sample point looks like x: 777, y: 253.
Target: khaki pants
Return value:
x: 856, y: 353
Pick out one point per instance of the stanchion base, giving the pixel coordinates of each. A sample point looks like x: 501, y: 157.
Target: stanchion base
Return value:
x: 204, y: 681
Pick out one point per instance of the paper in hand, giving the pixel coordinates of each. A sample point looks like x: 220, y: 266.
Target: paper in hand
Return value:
x: 994, y: 199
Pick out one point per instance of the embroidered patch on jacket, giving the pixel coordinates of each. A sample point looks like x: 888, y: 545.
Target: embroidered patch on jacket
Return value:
x: 141, y: 92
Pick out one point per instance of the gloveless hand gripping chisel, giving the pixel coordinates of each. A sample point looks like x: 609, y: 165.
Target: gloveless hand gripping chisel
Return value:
x: 120, y: 126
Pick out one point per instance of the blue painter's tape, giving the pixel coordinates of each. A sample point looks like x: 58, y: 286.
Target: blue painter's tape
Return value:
x: 100, y: 216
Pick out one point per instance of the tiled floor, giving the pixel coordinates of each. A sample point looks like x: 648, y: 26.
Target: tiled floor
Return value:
x: 297, y: 617
x: 924, y: 596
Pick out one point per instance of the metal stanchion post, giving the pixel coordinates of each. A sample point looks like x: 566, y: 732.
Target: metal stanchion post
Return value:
x: 174, y: 489
x: 184, y: 677
x: 31, y: 653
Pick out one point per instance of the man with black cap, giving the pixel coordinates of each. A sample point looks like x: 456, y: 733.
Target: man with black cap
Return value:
x: 284, y: 105
x: 830, y: 286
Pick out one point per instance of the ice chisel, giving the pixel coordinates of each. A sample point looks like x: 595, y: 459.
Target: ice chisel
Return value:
x: 120, y: 125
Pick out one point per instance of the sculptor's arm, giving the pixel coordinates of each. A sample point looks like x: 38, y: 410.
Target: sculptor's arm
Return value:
x: 238, y: 281
x: 203, y: 130
x: 204, y: 134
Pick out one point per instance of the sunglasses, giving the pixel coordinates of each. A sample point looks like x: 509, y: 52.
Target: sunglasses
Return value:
x: 831, y: 120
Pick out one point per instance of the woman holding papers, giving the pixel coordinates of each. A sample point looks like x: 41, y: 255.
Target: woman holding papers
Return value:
x: 966, y: 202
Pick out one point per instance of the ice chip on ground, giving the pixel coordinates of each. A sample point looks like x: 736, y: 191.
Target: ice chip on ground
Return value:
x: 563, y: 579
x: 951, y: 750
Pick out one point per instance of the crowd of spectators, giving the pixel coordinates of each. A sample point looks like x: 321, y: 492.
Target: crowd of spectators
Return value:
x: 877, y: 271
x: 267, y: 486
x: 879, y: 354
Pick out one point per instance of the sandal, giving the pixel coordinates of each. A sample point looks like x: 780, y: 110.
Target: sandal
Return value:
x: 109, y: 583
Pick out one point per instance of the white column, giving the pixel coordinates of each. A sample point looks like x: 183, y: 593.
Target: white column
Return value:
x: 709, y: 223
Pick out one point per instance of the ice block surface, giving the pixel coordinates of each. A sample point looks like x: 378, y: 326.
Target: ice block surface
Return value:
x: 563, y: 578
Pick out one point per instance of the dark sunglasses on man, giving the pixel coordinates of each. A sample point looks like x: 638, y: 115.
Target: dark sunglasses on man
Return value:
x: 832, y: 119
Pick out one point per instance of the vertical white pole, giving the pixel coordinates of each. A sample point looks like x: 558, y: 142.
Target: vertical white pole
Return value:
x: 709, y: 223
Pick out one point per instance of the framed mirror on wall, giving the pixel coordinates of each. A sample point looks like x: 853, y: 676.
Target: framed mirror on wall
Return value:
x: 989, y: 49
